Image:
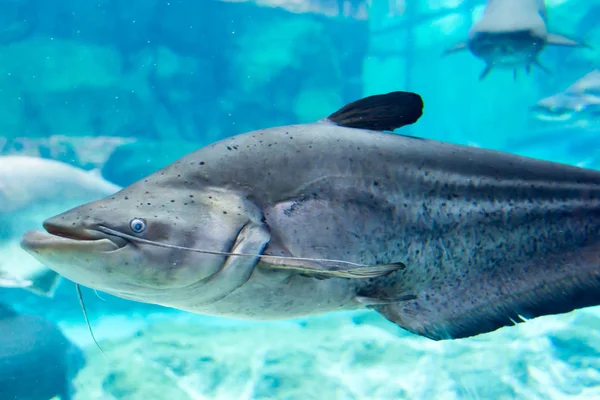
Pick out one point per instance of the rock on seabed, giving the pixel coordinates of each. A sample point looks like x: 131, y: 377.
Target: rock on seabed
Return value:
x: 346, y: 356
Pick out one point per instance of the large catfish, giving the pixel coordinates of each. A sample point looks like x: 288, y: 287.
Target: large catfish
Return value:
x: 447, y: 241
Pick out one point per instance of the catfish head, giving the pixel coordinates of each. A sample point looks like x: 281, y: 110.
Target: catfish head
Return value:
x: 135, y: 243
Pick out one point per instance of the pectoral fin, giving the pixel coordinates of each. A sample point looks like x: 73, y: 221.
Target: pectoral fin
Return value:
x: 485, y: 72
x: 459, y: 47
x: 45, y: 283
x: 325, y: 269
x: 559, y: 40
x: 542, y: 67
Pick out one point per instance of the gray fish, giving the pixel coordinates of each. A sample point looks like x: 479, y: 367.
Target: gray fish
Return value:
x: 578, y: 105
x: 37, y: 362
x: 447, y: 241
x: 510, y: 34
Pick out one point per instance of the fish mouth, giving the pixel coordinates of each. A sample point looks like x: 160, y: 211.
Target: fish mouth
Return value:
x: 58, y: 237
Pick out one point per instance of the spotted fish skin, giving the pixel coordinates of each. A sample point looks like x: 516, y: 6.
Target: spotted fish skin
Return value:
x: 486, y: 236
x: 481, y: 239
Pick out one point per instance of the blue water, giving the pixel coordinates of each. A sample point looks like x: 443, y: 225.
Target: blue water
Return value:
x: 127, y: 87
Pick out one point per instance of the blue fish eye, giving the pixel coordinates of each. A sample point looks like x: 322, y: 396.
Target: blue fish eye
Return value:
x: 138, y: 225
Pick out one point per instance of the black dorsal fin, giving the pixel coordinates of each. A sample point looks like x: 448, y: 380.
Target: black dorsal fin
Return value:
x: 382, y: 112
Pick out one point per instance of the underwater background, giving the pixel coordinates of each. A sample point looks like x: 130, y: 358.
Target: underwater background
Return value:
x: 126, y: 87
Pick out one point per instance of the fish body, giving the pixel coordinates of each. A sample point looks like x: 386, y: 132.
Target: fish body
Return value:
x: 447, y: 241
x: 28, y: 180
x: 578, y: 105
x: 511, y: 34
x: 37, y: 362
x: 31, y: 189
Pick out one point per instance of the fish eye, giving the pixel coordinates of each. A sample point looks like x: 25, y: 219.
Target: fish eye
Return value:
x: 138, y: 225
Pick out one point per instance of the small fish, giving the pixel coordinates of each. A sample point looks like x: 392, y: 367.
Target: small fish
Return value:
x: 511, y: 34
x: 36, y: 360
x: 32, y: 188
x: 578, y: 105
x: 447, y: 241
